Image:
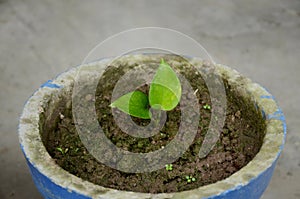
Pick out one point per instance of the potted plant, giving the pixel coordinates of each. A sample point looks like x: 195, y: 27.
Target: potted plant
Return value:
x: 68, y: 158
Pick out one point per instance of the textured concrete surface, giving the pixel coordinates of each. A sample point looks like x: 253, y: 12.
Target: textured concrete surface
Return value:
x: 39, y: 39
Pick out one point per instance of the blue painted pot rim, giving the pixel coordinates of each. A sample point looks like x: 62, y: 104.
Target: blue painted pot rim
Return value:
x: 54, y: 182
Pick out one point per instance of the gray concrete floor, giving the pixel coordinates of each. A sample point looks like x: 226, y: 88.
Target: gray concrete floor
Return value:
x: 39, y: 39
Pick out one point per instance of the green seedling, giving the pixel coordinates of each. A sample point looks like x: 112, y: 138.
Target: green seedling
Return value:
x: 163, y: 135
x: 169, y: 167
x: 62, y: 151
x: 207, y: 107
x: 164, y: 94
x: 190, y: 179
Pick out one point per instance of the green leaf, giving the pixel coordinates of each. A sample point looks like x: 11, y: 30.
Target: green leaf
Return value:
x: 165, y: 88
x: 134, y: 103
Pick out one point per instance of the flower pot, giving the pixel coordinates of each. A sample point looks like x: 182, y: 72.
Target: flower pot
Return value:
x: 53, y: 182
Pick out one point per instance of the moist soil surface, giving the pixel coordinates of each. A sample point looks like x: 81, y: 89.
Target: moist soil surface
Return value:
x: 239, y: 141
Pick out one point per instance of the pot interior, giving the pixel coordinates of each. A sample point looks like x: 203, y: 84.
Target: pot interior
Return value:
x: 239, y: 140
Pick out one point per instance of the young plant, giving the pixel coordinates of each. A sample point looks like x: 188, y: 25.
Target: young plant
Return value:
x: 164, y: 94
x: 207, y: 107
x: 60, y: 150
x: 169, y: 167
x: 190, y: 179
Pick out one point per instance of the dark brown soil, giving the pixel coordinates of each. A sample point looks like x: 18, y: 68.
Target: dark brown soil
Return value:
x: 239, y: 142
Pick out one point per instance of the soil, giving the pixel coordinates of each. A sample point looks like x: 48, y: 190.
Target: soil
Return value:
x: 240, y: 140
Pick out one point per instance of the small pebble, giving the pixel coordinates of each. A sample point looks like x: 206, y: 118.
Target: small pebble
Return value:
x: 238, y: 114
x: 41, y: 110
x: 61, y: 116
x: 88, y: 97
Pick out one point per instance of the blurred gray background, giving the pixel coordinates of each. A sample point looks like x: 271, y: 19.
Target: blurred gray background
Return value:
x: 39, y: 39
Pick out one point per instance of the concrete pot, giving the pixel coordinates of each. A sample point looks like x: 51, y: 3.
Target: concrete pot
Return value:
x: 55, y: 183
